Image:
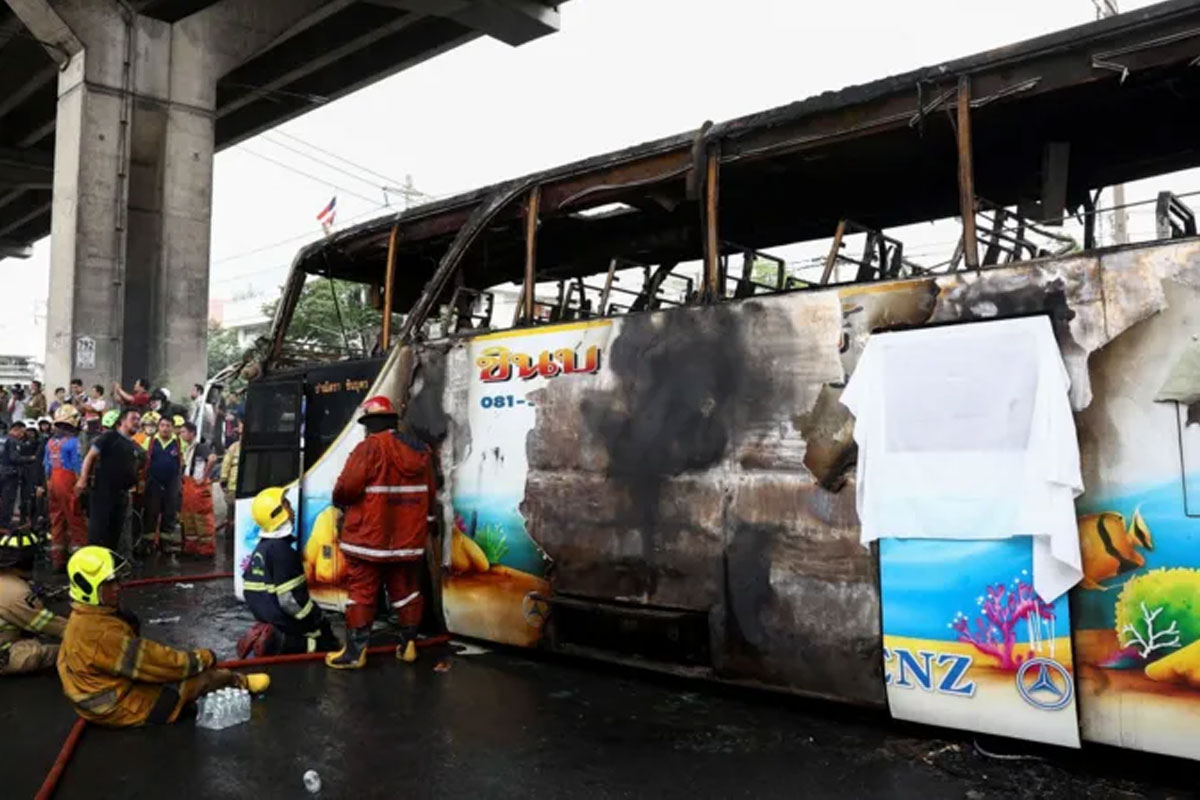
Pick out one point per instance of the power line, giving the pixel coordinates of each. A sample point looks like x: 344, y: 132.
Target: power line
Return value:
x: 390, y: 186
x: 281, y: 242
x: 322, y: 162
x: 348, y: 162
x: 309, y: 175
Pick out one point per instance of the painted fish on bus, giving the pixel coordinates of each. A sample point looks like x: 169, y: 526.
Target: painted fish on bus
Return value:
x: 1137, y: 611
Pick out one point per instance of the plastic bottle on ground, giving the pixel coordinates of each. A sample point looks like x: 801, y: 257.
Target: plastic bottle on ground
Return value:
x: 312, y: 781
x: 203, y: 712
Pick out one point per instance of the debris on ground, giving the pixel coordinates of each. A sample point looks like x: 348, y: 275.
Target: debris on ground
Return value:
x: 312, y: 781
x: 441, y: 666
x: 467, y: 649
x: 185, y: 586
x: 164, y: 620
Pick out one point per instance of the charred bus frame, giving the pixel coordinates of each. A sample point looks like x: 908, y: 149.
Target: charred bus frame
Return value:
x: 1014, y: 142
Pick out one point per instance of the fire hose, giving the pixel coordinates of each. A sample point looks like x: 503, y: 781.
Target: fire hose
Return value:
x: 72, y: 741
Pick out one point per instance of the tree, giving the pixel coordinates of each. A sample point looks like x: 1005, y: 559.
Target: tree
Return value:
x: 316, y: 319
x: 765, y: 272
x: 223, y: 347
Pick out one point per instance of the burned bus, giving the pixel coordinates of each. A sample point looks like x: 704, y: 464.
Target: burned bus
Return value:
x: 634, y: 393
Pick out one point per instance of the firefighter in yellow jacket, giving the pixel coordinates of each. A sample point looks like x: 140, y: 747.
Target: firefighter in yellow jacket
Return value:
x: 111, y: 675
x: 23, y: 618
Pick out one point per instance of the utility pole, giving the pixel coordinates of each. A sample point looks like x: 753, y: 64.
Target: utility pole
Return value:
x: 1120, y: 218
x: 408, y: 191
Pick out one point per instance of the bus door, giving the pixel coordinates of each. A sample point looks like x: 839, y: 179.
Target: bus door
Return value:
x: 333, y: 396
x: 271, y: 455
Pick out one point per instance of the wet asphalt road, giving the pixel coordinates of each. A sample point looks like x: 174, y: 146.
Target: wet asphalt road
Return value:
x: 503, y: 724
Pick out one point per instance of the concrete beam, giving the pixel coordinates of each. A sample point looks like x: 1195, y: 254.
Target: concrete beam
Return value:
x: 319, y: 61
x: 36, y: 81
x: 8, y: 29
x: 215, y: 40
x: 49, y: 28
x: 11, y: 249
x: 30, y: 169
x: 513, y: 22
x: 32, y: 213
x: 441, y: 8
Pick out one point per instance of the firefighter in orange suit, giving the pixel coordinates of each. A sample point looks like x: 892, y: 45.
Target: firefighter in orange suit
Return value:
x: 63, y: 461
x: 196, y: 516
x: 113, y: 676
x: 387, y: 490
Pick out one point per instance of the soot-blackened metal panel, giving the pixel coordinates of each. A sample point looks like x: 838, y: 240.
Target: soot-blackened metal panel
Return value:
x: 709, y: 465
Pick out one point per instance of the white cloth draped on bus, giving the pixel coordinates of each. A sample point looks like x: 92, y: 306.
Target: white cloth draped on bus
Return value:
x: 965, y: 432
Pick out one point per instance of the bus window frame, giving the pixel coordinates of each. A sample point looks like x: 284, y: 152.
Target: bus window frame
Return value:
x: 250, y: 449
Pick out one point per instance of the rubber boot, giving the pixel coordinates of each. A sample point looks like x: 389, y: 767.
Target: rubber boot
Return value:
x: 353, y: 654
x: 255, y: 682
x: 406, y: 651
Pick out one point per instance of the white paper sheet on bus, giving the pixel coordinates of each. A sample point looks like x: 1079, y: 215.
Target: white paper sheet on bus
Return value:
x: 965, y: 432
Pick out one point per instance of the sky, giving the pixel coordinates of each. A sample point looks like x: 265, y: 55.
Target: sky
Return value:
x: 619, y: 72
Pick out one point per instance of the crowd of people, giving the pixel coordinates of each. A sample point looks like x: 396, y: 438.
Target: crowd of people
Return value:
x: 130, y: 470
x: 110, y: 673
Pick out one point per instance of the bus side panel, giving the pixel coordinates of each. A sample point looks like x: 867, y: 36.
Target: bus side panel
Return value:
x: 1137, y: 613
x: 495, y: 572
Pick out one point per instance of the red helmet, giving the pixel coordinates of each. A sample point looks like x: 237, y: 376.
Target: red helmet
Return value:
x: 377, y: 406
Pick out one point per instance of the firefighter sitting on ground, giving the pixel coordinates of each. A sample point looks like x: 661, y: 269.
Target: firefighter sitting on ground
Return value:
x: 275, y: 588
x: 388, y: 491
x: 111, y: 675
x: 22, y: 616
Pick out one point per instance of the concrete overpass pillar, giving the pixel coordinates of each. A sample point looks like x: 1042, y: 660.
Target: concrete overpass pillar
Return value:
x: 132, y: 189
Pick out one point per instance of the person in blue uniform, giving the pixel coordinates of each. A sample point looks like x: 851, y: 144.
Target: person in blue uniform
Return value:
x: 276, y: 590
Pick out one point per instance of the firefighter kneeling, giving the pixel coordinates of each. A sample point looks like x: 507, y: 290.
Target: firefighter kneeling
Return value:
x: 387, y: 490
x: 275, y: 589
x: 111, y: 675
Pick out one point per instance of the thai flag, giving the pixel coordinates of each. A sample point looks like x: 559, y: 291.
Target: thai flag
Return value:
x: 327, y: 214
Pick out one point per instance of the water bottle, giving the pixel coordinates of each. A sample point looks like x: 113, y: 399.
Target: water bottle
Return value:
x: 208, y: 711
x: 312, y: 781
x: 243, y: 705
x: 215, y: 718
x: 202, y: 711
x: 223, y: 709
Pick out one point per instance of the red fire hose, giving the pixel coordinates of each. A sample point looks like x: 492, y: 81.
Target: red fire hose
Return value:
x: 263, y: 661
x: 60, y: 763
x: 72, y: 740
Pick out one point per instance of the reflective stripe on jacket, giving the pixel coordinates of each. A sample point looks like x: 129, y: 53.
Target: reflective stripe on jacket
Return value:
x: 21, y: 612
x: 387, y: 489
x: 275, y: 588
x: 113, y: 676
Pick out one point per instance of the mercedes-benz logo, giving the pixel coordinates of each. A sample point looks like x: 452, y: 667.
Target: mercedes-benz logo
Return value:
x: 1045, y: 684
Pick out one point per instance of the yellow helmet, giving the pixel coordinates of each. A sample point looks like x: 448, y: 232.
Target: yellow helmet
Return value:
x: 267, y: 509
x: 66, y: 415
x: 89, y: 568
x: 178, y: 421
x: 20, y: 548
x: 150, y: 416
